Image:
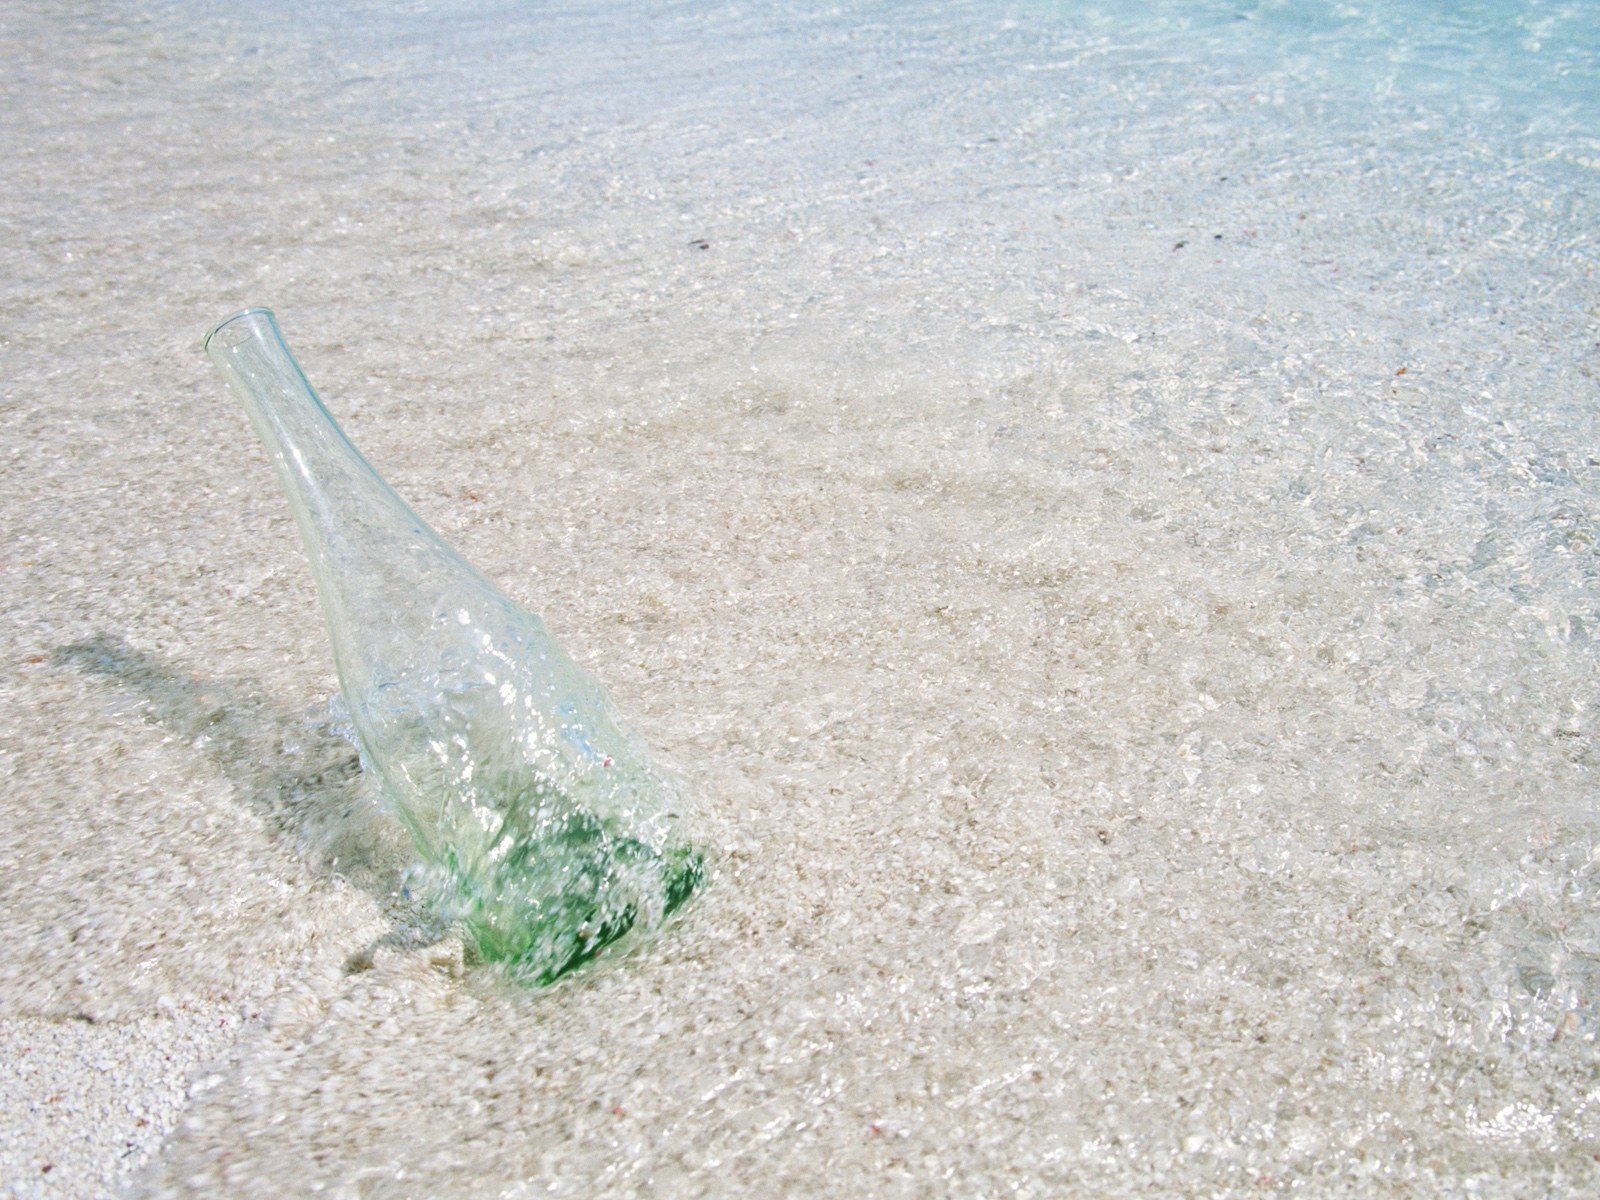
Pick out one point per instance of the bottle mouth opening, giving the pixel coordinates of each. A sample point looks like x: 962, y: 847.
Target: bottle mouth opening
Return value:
x: 235, y: 330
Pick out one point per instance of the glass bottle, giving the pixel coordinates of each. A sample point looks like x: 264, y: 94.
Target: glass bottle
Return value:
x: 543, y: 827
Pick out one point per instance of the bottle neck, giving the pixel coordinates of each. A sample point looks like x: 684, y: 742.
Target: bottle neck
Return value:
x: 380, y: 570
x: 309, y: 452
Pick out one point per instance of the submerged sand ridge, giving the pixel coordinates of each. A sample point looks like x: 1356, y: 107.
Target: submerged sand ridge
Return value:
x: 1100, y: 511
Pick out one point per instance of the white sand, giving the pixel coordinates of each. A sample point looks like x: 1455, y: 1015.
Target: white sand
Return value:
x: 1106, y: 516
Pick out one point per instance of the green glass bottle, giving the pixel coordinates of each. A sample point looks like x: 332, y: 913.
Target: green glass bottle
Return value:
x: 543, y: 826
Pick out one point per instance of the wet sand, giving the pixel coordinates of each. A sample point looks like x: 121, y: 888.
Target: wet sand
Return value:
x: 1103, y: 515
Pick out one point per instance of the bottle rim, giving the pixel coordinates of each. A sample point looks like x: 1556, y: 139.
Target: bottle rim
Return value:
x: 233, y: 321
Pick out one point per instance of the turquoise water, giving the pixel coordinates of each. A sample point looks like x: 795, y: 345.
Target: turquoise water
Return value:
x: 1103, y: 509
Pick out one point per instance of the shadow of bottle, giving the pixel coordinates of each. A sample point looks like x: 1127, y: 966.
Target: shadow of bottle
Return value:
x: 299, y: 774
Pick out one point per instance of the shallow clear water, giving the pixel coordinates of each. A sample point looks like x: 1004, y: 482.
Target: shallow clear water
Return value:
x: 1104, y: 510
